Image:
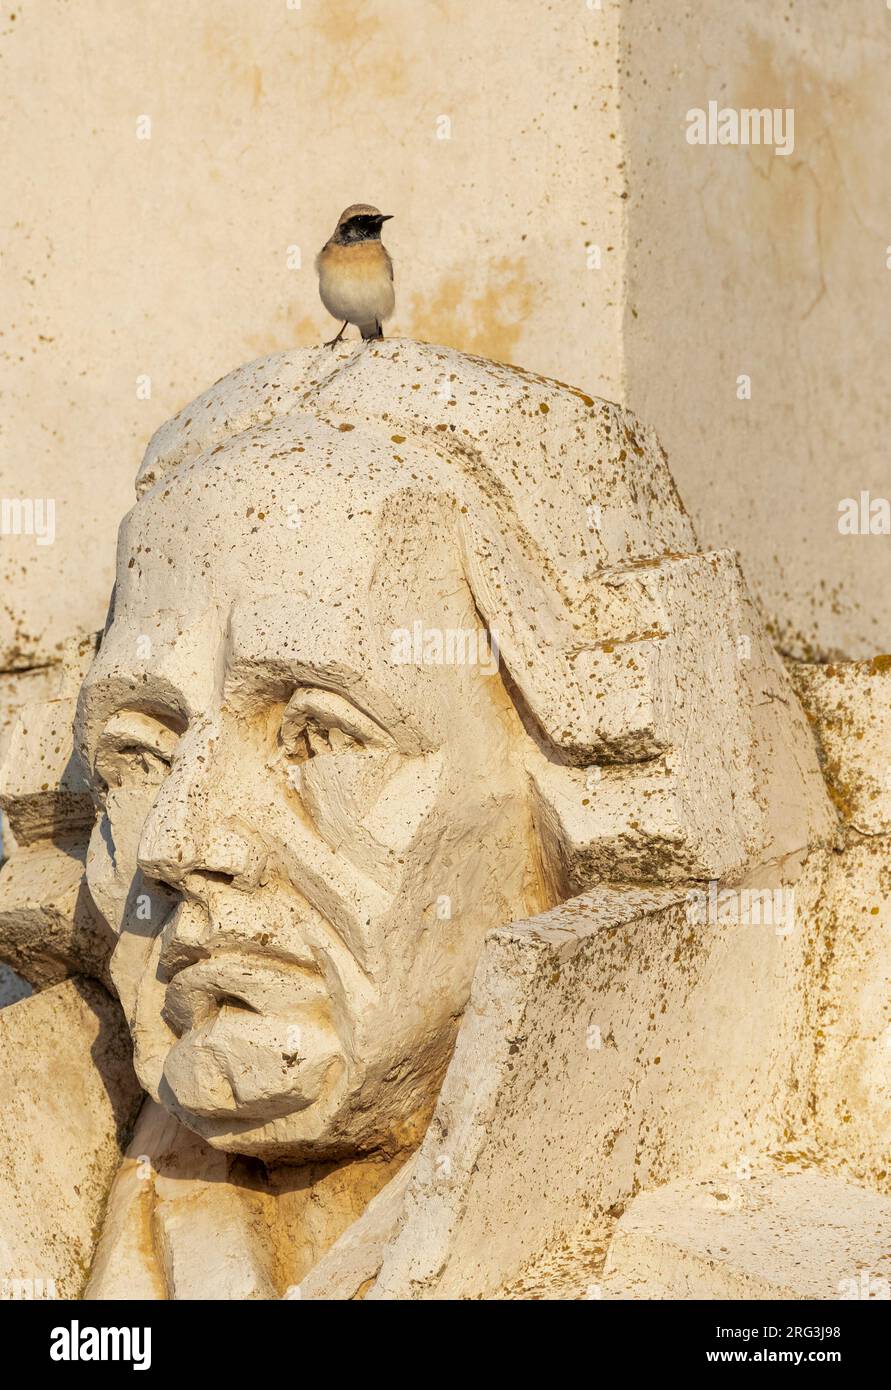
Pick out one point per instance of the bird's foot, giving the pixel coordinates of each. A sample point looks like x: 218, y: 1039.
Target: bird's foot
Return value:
x: 334, y: 341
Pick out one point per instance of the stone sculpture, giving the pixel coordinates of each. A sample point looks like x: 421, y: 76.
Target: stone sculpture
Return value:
x: 413, y: 677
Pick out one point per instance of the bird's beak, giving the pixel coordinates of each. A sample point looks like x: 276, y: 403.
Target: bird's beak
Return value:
x: 386, y: 216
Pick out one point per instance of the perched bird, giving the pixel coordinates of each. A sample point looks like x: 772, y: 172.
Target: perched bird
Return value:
x: 356, y: 273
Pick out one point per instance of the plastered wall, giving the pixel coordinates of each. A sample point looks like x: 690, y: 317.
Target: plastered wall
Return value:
x: 173, y: 168
x: 489, y: 131
x: 747, y: 264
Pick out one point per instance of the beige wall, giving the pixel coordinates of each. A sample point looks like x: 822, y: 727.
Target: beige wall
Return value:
x: 167, y: 257
x: 742, y: 261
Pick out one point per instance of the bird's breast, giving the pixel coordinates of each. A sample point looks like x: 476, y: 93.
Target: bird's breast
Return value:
x: 355, y: 282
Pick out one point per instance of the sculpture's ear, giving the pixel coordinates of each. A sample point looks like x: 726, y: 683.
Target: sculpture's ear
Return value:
x: 569, y: 660
x: 671, y: 745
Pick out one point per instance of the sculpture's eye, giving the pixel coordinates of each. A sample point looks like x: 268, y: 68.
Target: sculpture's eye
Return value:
x: 317, y: 722
x: 137, y: 763
x: 336, y: 758
x: 135, y: 751
x: 301, y: 744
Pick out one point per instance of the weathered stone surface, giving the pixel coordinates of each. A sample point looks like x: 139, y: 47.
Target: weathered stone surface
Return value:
x: 744, y: 788
x: 766, y: 1235
x: 349, y: 1268
x: 68, y: 1098
x: 49, y: 926
x: 187, y: 1221
x: 712, y: 1040
x: 476, y: 499
x: 125, y: 1261
x: 18, y: 688
x: 176, y: 1227
x: 849, y: 706
x: 310, y: 835
x: 846, y: 900
x: 43, y: 790
x: 608, y: 1046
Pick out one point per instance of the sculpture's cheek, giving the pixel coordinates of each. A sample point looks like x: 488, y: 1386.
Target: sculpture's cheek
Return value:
x: 111, y: 857
x: 371, y: 806
x: 135, y: 908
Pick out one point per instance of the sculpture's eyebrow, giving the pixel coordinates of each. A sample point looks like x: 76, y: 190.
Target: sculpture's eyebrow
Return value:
x: 158, y: 664
x: 109, y: 695
x: 334, y: 704
x: 246, y: 679
x: 282, y: 643
x: 143, y: 726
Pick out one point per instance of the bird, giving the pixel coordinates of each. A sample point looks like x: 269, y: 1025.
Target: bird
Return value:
x: 356, y: 273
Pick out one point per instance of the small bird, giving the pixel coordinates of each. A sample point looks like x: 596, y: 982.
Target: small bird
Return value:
x: 356, y: 273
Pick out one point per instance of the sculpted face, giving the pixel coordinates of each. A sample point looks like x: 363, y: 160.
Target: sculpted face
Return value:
x: 301, y: 841
x: 314, y: 799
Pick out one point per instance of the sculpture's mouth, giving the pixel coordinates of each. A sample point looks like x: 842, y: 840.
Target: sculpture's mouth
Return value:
x: 239, y: 982
x: 238, y: 929
x: 254, y: 1037
x: 245, y: 1029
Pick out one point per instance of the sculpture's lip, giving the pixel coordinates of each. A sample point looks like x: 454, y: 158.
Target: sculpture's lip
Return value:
x: 192, y: 934
x: 240, y: 980
x: 253, y: 1042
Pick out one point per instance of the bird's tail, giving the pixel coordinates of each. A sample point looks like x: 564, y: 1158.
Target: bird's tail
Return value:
x: 371, y: 330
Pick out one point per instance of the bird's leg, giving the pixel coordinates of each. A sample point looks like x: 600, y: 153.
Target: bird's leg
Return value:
x: 371, y: 332
x: 339, y: 336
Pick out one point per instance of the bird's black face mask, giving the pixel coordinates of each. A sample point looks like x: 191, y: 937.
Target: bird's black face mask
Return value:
x: 361, y: 228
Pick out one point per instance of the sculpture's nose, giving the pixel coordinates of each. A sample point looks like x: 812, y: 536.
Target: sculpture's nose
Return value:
x: 193, y: 835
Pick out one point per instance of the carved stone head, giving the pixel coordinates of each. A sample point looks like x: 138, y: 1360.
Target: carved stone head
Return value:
x: 361, y: 673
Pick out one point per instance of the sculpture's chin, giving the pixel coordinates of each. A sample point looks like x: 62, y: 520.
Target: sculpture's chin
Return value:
x: 329, y: 1130
x: 242, y: 1049
x: 206, y: 1076
x: 258, y: 1071
x: 238, y: 1065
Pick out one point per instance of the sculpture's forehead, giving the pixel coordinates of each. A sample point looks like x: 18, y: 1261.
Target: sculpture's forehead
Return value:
x: 252, y: 559
x: 231, y: 564
x: 247, y: 520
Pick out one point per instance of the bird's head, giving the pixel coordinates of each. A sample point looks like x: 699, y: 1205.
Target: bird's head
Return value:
x: 360, y: 222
